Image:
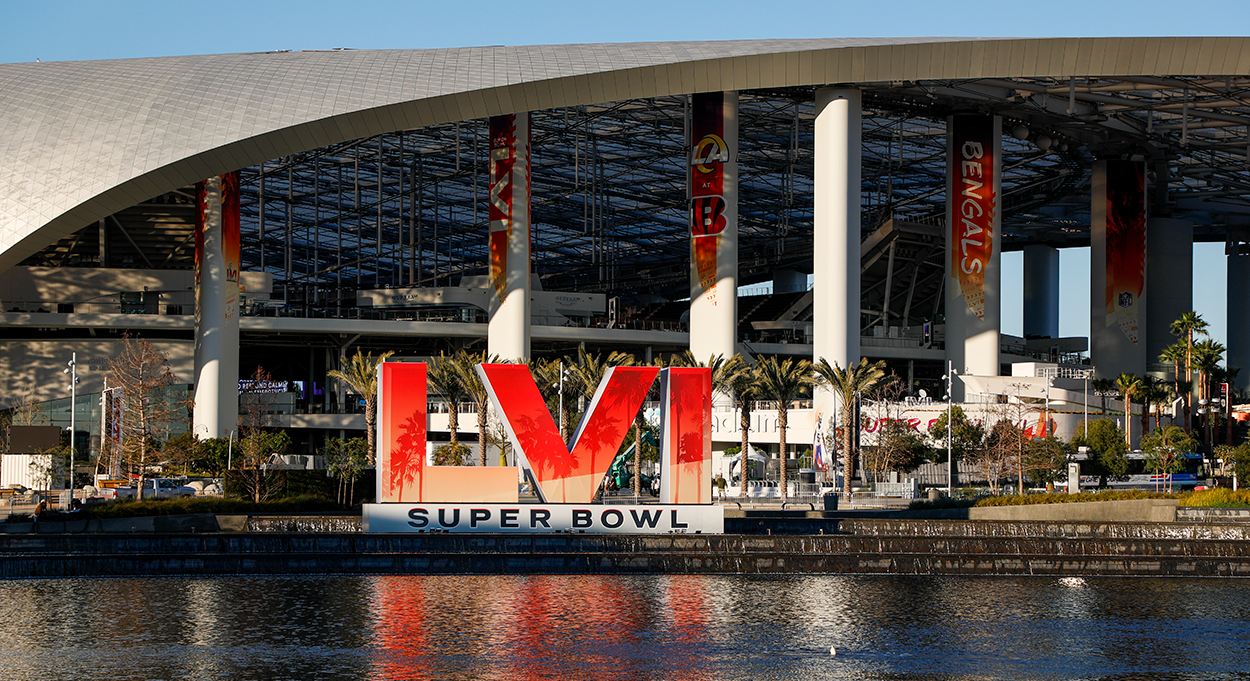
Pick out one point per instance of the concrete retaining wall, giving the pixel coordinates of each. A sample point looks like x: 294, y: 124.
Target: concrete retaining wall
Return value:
x: 862, y: 547
x: 1131, y: 511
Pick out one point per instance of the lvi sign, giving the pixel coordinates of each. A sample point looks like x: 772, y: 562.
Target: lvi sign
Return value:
x: 414, y: 496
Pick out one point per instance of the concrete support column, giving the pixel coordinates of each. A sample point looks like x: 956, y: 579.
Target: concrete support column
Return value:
x: 789, y: 281
x: 1170, y: 281
x: 508, y: 333
x: 1117, y: 257
x: 1041, y: 291
x: 216, y: 410
x: 1239, y: 312
x: 974, y: 245
x: 713, y: 186
x: 835, y: 256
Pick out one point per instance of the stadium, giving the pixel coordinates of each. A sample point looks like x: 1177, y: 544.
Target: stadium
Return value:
x: 817, y: 199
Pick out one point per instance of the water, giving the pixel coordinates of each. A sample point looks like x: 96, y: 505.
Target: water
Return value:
x: 646, y: 627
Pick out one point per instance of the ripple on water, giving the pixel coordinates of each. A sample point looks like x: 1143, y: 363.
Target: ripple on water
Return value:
x: 631, y: 627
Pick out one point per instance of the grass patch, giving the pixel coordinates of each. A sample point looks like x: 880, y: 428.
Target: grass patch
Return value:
x: 1220, y: 497
x: 126, y: 508
x: 1048, y: 498
x: 1061, y: 498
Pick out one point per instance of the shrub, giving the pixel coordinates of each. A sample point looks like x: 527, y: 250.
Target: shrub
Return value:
x: 1220, y: 497
x: 126, y: 508
x: 1061, y: 498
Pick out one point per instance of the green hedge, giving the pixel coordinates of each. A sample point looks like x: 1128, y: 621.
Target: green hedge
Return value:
x: 300, y: 483
x: 1211, y: 498
x: 126, y: 508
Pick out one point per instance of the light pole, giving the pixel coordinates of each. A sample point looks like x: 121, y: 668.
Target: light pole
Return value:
x: 71, y: 368
x: 950, y: 429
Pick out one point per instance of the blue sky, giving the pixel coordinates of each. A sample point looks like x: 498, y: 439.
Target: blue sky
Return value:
x: 68, y: 30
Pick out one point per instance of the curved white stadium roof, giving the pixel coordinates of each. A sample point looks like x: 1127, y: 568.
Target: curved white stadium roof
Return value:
x: 81, y: 140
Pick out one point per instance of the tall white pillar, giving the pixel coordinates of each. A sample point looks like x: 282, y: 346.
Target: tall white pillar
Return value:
x: 836, y: 238
x: 835, y: 252
x: 1041, y: 291
x: 1239, y: 311
x: 508, y: 333
x: 713, y: 187
x: 1117, y: 261
x: 973, y: 245
x: 216, y: 410
x: 1170, y: 281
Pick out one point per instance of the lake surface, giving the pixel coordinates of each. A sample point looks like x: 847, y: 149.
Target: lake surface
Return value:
x: 645, y: 627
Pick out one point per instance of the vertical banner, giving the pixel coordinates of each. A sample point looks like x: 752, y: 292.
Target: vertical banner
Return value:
x: 503, y: 152
x: 708, y: 155
x: 1126, y: 246
x: 230, y: 241
x: 974, y: 202
x: 818, y: 441
x: 509, y: 213
x: 686, y: 436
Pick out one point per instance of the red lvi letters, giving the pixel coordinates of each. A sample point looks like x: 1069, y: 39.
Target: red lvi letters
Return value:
x: 562, y: 474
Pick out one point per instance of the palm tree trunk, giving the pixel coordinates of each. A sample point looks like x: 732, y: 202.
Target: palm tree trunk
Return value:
x: 1128, y: 416
x: 782, y: 420
x: 1189, y: 376
x: 848, y: 461
x: 371, y: 422
x: 453, y: 421
x: 481, y: 434
x: 744, y: 425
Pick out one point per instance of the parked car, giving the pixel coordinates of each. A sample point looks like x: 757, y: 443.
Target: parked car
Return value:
x: 153, y: 488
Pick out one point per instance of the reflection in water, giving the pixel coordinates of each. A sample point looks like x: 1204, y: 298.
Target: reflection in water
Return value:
x: 687, y: 628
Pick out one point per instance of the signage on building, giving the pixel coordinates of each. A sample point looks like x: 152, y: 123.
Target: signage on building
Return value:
x: 565, y: 477
x: 974, y: 205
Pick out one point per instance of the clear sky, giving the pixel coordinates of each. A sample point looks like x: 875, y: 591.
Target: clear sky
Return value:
x: 55, y: 30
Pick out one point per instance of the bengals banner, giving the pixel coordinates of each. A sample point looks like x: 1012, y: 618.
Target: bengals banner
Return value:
x: 708, y: 156
x: 974, y: 206
x: 1126, y: 245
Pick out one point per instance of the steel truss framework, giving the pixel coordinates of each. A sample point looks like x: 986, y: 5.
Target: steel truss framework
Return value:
x: 409, y: 208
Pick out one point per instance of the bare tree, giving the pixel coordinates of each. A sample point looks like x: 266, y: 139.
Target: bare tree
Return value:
x: 143, y: 376
x: 896, y: 445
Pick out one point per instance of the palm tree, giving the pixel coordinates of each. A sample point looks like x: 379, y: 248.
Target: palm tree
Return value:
x: 782, y: 381
x: 1128, y: 385
x: 1103, y: 387
x: 1176, y: 353
x: 740, y: 385
x: 1152, y: 392
x: 1187, y: 325
x: 445, y: 380
x: 464, y: 365
x: 361, y: 375
x: 846, y: 384
x: 1207, y: 357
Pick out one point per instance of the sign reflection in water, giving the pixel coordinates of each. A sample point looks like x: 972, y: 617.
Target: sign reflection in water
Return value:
x: 652, y: 627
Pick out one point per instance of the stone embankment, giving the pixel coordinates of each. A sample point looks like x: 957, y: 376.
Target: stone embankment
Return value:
x: 828, y: 545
